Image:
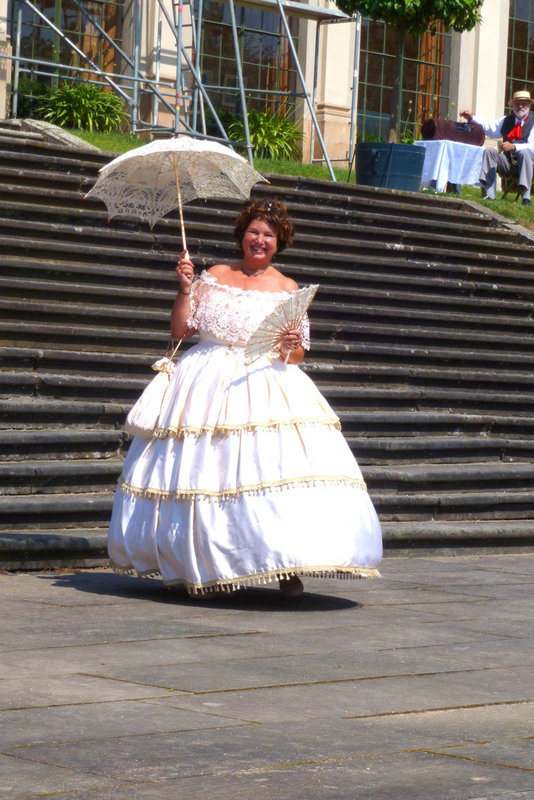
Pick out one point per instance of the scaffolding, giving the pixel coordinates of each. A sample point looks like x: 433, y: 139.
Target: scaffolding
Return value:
x: 185, y: 96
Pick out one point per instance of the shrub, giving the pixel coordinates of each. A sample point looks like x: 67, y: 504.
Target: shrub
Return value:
x: 31, y: 94
x: 84, y: 106
x: 271, y: 135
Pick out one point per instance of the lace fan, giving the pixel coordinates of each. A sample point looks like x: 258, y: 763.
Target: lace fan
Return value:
x: 287, y: 316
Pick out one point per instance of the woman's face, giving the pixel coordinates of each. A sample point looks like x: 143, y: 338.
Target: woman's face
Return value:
x: 259, y: 244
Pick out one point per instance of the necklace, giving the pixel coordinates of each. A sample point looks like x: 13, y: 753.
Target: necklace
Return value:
x: 254, y: 274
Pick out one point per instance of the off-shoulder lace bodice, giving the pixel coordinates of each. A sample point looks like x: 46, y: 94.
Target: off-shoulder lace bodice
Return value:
x: 229, y: 315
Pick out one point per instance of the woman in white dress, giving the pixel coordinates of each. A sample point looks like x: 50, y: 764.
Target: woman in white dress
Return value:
x: 247, y: 478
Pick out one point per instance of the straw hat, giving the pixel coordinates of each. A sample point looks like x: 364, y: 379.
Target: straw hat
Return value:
x: 522, y: 95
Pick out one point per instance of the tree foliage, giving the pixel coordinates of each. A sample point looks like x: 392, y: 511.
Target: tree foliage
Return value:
x: 414, y: 17
x: 417, y: 16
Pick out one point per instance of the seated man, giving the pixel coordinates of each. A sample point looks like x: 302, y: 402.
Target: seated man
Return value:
x: 517, y: 156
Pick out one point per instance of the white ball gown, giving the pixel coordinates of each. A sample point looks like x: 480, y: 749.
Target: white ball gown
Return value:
x: 247, y: 477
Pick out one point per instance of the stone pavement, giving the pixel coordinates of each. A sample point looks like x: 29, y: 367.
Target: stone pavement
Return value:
x: 419, y: 686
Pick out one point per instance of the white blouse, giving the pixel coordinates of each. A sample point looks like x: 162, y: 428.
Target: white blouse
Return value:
x: 229, y: 315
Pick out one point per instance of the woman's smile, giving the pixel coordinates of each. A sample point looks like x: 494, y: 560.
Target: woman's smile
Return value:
x: 259, y: 243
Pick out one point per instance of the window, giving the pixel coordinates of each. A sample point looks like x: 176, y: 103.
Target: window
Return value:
x: 425, y: 79
x: 520, y: 62
x: 265, y: 58
x: 40, y: 42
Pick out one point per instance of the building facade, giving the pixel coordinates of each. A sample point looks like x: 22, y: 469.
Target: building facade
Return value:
x: 442, y: 73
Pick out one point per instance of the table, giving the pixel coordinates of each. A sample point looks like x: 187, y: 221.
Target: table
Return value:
x: 450, y: 162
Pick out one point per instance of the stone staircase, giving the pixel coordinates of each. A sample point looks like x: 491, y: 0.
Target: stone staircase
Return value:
x: 422, y: 330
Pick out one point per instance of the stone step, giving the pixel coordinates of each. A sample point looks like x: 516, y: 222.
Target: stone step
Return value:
x: 45, y: 548
x: 420, y: 423
x: 26, y: 548
x: 113, y: 387
x: 450, y: 506
x: 310, y: 191
x: 364, y: 238
x: 433, y: 535
x: 94, y: 508
x: 40, y: 475
x: 410, y: 354
x: 399, y: 374
x: 26, y: 183
x: 452, y: 449
x: 429, y: 477
x: 166, y: 249
x: 36, y: 413
x: 19, y: 137
x: 98, y: 444
x: 419, y: 278
x: 331, y: 300
x: 314, y: 224
x: 394, y: 376
x: 113, y: 339
x: 19, y: 182
x: 53, y: 476
x: 52, y: 156
x: 83, y: 509
x: 162, y: 249
x: 413, y: 325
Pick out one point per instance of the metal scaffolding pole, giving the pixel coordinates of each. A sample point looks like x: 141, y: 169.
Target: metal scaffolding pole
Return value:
x: 16, y: 71
x: 196, y: 28
x: 303, y: 84
x: 178, y: 13
x: 355, y: 81
x: 157, y: 72
x: 240, y: 82
x: 137, y: 46
x: 315, y: 82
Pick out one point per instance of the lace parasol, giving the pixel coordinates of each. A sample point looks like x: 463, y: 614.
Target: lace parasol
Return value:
x: 152, y: 180
x: 287, y: 316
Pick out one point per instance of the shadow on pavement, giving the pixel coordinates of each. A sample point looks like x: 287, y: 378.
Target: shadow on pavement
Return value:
x: 253, y: 598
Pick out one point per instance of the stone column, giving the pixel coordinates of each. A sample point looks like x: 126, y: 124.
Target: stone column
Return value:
x: 334, y: 90
x: 5, y: 65
x: 478, y: 64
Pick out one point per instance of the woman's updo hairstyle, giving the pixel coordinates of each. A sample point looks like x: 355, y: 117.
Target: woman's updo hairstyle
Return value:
x: 274, y: 213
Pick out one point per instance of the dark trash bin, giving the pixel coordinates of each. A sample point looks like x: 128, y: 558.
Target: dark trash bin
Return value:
x: 390, y: 165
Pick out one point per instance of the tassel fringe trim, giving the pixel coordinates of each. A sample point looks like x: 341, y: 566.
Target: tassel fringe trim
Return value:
x: 259, y: 579
x: 250, y: 427
x: 233, y: 494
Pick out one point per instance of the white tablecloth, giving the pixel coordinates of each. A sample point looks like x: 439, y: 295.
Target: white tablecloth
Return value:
x: 450, y: 162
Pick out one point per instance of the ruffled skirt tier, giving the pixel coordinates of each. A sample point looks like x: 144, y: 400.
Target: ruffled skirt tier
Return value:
x: 246, y: 479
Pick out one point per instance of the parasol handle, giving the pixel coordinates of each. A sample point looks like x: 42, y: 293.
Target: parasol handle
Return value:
x: 179, y: 196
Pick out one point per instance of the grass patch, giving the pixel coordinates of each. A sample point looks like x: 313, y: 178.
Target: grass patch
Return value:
x: 112, y: 142
x: 122, y: 142
x: 509, y: 208
x: 317, y: 171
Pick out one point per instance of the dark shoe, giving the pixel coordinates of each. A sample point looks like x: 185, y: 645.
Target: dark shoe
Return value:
x: 526, y: 201
x: 291, y: 587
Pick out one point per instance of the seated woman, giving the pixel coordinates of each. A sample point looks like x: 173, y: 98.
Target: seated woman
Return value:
x: 247, y: 478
